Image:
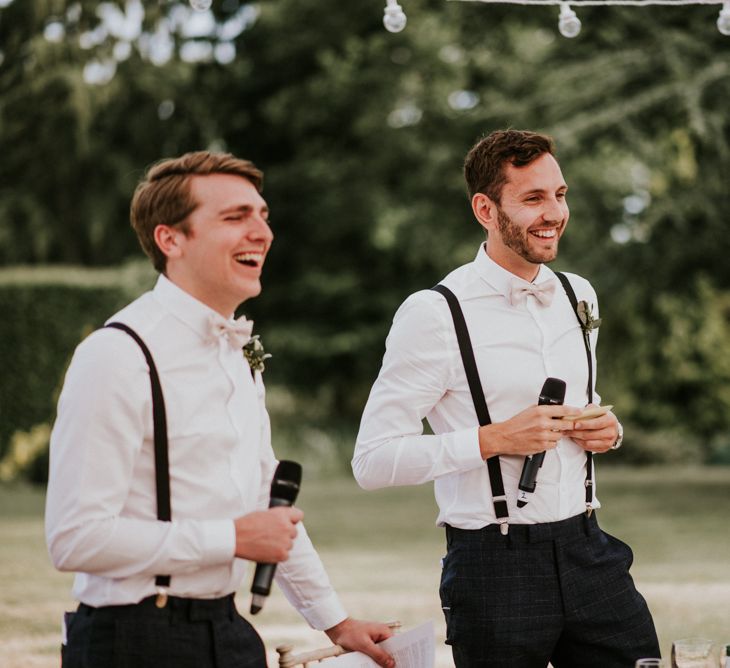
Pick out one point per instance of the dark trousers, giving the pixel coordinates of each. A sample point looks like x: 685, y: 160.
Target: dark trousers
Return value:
x: 186, y: 633
x: 558, y: 592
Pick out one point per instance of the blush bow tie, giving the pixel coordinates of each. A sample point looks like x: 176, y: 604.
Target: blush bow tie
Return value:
x: 238, y: 332
x: 543, y: 292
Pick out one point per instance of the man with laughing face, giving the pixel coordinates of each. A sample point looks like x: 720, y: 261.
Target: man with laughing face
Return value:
x: 154, y: 592
x: 529, y: 577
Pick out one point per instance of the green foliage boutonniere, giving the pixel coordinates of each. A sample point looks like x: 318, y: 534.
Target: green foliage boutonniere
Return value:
x: 585, y: 314
x: 255, y: 354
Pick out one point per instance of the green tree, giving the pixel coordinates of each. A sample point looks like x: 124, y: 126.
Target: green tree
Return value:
x: 362, y: 134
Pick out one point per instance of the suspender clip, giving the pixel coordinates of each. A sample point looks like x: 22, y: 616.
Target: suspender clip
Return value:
x: 503, y: 527
x: 161, y: 600
x: 589, y: 509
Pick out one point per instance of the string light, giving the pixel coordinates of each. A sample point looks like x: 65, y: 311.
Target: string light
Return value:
x: 723, y: 21
x: 394, y: 19
x: 568, y: 23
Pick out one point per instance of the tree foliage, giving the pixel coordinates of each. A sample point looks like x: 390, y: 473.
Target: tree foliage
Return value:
x: 362, y: 134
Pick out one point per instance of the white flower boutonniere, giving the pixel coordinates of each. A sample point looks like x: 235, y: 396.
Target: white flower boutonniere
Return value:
x: 587, y: 320
x: 255, y: 354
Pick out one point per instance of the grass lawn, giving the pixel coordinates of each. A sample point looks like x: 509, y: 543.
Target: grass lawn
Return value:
x: 382, y: 552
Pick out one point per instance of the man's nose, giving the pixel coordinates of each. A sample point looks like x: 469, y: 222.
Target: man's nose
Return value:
x: 261, y: 230
x: 554, y: 210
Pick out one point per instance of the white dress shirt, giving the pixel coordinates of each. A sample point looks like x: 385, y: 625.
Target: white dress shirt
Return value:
x: 101, y: 517
x: 516, y: 349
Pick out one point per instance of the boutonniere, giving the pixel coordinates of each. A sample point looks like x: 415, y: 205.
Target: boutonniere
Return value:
x: 587, y: 320
x: 255, y: 354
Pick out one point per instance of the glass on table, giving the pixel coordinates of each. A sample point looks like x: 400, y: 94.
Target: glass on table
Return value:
x: 693, y: 653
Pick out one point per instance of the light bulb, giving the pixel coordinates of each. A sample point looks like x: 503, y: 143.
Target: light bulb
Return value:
x: 394, y: 19
x: 723, y: 21
x: 568, y: 23
x: 201, y: 5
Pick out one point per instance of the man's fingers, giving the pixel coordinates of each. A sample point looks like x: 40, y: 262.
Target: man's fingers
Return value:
x: 593, y: 435
x: 296, y: 515
x: 560, y: 411
x: 379, y: 655
x: 382, y: 658
x: 594, y: 445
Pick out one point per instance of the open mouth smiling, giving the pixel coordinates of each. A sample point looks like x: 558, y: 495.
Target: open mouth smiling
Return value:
x: 545, y: 234
x: 250, y: 259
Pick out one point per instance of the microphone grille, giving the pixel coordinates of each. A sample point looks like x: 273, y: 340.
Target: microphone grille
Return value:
x: 286, y: 481
x: 554, y: 388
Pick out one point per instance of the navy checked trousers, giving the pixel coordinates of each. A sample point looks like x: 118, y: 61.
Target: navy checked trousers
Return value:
x: 558, y: 592
x: 186, y: 633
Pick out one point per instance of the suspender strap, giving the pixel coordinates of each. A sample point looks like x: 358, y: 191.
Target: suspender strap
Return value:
x: 159, y: 421
x: 477, y: 395
x: 586, y: 336
x: 587, y: 343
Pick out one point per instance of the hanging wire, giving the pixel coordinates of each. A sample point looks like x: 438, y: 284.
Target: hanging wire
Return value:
x: 598, y: 3
x: 568, y: 23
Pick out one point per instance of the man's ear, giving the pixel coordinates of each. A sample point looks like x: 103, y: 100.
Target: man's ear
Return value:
x: 485, y: 211
x: 168, y: 240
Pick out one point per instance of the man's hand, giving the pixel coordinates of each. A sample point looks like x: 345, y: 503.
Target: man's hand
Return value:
x: 361, y: 636
x: 533, y: 430
x: 267, y: 536
x: 597, y: 434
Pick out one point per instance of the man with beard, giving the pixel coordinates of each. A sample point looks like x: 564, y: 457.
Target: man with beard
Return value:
x: 529, y: 577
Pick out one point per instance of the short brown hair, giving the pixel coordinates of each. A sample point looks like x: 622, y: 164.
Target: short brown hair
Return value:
x: 163, y: 196
x: 484, y: 166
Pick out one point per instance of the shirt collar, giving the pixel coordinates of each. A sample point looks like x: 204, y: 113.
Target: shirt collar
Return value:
x: 186, y: 308
x: 498, y: 277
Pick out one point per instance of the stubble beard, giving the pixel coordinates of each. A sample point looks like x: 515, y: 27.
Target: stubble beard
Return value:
x: 515, y: 238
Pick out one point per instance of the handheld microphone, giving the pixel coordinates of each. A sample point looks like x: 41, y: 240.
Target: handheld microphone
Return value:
x: 284, y: 489
x: 552, y: 394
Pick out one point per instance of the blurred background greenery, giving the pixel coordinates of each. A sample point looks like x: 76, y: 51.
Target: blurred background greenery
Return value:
x: 382, y: 553
x: 361, y: 134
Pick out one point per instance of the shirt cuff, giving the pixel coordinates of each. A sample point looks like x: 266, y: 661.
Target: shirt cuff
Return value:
x: 219, y: 542
x: 325, y: 613
x: 464, y: 444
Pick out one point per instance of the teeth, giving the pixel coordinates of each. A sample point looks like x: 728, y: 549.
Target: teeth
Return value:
x: 544, y: 234
x: 247, y: 257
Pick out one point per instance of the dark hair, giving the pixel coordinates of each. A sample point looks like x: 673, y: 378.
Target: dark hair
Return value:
x: 163, y: 196
x: 484, y: 166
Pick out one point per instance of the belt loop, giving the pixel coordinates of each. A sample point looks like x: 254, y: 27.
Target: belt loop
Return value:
x: 587, y: 522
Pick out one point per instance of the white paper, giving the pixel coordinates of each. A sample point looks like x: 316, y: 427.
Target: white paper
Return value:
x: 411, y: 649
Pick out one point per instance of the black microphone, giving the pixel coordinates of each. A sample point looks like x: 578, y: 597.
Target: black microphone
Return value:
x: 552, y: 394
x: 284, y: 489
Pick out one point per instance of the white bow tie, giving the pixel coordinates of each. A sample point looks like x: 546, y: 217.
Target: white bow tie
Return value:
x: 238, y: 332
x: 543, y: 292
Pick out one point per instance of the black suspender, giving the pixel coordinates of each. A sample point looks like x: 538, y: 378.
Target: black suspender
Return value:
x: 162, y: 465
x: 480, y: 405
x: 499, y: 498
x: 587, y: 343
